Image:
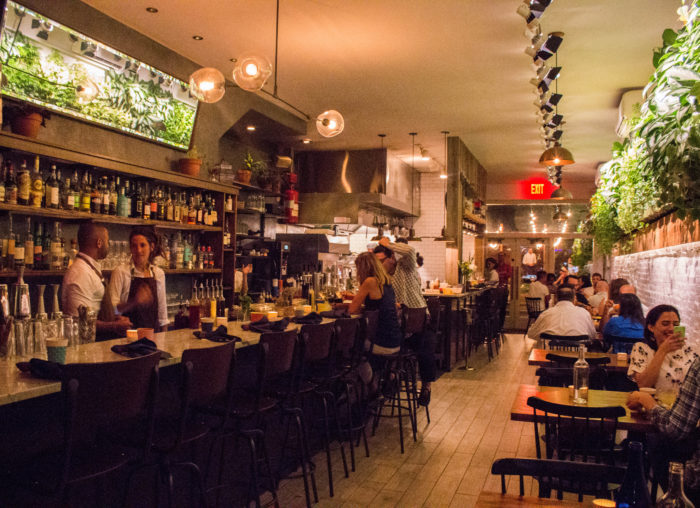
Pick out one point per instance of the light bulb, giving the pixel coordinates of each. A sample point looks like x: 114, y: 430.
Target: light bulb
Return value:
x: 207, y: 84
x: 251, y: 71
x: 330, y: 123
x: 443, y: 176
x: 557, y: 161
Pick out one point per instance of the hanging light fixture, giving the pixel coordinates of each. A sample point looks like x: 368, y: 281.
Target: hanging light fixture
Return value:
x: 251, y: 71
x: 330, y: 123
x: 412, y: 232
x: 556, y: 155
x: 443, y: 233
x: 559, y: 216
x: 207, y: 84
x: 561, y: 193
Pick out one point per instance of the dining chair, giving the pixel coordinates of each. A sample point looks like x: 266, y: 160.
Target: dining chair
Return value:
x: 620, y: 344
x: 534, y: 309
x: 576, y: 433
x: 567, y: 361
x: 564, y: 376
x: 563, y: 476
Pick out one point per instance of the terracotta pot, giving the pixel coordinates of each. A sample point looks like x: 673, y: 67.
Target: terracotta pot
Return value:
x: 243, y: 176
x: 27, y: 125
x: 190, y: 167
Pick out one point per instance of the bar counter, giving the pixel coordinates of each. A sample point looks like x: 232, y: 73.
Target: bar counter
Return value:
x: 16, y: 386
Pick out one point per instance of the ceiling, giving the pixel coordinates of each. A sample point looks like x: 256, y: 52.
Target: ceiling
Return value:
x: 397, y: 66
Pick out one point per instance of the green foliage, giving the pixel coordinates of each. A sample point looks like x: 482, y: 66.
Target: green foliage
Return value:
x: 659, y: 164
x: 257, y: 167
x: 125, y: 100
x: 582, y: 252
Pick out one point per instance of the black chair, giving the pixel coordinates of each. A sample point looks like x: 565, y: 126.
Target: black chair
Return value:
x: 435, y: 323
x: 563, y: 476
x: 99, y: 401
x: 567, y: 361
x: 414, y: 321
x: 534, y: 309
x: 565, y: 342
x: 620, y: 344
x: 564, y: 376
x: 576, y: 433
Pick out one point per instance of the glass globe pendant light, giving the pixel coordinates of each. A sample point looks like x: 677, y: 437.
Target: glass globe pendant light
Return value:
x: 330, y: 123
x: 252, y: 71
x: 207, y: 85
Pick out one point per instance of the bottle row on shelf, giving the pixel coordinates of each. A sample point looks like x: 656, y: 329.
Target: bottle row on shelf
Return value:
x: 105, y: 195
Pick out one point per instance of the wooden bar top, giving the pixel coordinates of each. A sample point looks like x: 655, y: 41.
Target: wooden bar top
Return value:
x: 16, y: 386
x: 539, y: 357
x: 498, y: 500
x: 633, y: 421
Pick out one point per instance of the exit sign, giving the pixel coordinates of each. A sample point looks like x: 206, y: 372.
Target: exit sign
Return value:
x: 535, y: 188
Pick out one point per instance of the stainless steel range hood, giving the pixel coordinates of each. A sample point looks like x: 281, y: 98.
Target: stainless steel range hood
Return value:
x: 340, y: 187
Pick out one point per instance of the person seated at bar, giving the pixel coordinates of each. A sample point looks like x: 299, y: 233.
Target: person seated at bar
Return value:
x: 138, y: 288
x: 490, y: 272
x: 677, y: 438
x: 386, y: 257
x: 599, y: 296
x: 377, y: 293
x: 84, y: 285
x: 407, y: 286
x: 663, y: 359
x: 629, y: 323
x: 564, y: 318
x: 538, y: 289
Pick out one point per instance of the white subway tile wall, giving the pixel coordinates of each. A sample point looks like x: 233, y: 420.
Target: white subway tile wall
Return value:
x: 432, y: 208
x: 671, y: 276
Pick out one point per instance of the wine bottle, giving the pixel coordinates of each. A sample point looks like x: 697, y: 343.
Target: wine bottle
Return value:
x: 675, y: 497
x: 52, y: 190
x: 581, y: 373
x: 633, y: 493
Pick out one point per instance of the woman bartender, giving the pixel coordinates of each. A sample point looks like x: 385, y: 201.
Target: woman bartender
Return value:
x: 139, y: 287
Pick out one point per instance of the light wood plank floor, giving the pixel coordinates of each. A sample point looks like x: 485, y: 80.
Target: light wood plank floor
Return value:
x: 449, y: 464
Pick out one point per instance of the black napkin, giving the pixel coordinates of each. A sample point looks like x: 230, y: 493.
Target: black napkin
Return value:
x: 264, y: 326
x: 42, y: 369
x: 312, y: 318
x: 141, y: 347
x: 218, y: 335
x: 335, y: 314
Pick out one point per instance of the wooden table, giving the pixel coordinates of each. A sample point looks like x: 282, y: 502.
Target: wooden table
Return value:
x: 498, y: 500
x: 16, y: 386
x: 539, y: 357
x: 632, y: 421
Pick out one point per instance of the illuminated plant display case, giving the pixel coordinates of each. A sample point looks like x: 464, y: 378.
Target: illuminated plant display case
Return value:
x: 60, y: 69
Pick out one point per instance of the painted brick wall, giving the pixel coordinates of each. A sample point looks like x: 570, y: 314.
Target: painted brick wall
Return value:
x: 670, y: 275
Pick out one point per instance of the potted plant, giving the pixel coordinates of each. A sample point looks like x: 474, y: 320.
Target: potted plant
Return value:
x: 26, y: 119
x: 251, y: 167
x: 191, y: 164
x: 466, y: 269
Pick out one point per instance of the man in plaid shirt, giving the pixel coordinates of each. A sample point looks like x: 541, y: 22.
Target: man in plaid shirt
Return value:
x: 678, y: 430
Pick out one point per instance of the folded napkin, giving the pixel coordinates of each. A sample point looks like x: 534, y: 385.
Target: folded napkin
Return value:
x: 312, y: 318
x: 218, y: 335
x: 264, y: 326
x: 141, y: 347
x: 336, y: 314
x: 41, y: 368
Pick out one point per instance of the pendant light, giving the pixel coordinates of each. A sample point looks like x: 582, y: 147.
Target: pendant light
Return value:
x: 443, y: 234
x: 412, y: 232
x: 330, y: 123
x: 207, y: 85
x: 561, y: 193
x: 559, y: 216
x: 252, y: 71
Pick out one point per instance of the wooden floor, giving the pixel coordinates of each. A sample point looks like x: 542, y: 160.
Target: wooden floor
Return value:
x: 449, y: 464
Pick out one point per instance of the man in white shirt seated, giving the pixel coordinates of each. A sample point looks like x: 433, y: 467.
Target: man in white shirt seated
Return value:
x: 539, y: 289
x: 564, y: 318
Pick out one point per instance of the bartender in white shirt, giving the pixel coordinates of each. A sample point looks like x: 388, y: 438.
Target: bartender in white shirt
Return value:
x: 84, y: 285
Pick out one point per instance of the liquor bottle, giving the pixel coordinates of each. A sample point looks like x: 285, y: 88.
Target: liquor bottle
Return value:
x: 2, y: 182
x: 10, y: 184
x: 633, y: 493
x: 153, y: 200
x: 106, y: 198
x: 137, y: 202
x: 187, y: 253
x: 221, y: 301
x: 177, y: 208
x: 46, y: 249
x: 214, y: 214
x: 160, y: 199
x: 199, y: 208
x: 204, y: 300
x: 75, y: 189
x: 52, y: 189
x: 169, y: 208
x: 85, y: 193
x: 113, y: 196
x: 581, y: 372
x: 19, y: 252
x: 38, y: 242
x: 37, y: 191
x: 210, y: 258
x: 56, y: 254
x: 68, y: 197
x: 191, y: 212
x: 227, y: 236
x: 213, y: 303
x: 675, y: 496
x: 184, y: 208
x: 193, y: 309
x: 29, y: 246
x: 146, y: 204
x: 10, y: 257
x: 24, y: 185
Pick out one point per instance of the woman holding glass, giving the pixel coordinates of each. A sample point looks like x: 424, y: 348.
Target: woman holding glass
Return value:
x: 663, y: 359
x: 138, y: 288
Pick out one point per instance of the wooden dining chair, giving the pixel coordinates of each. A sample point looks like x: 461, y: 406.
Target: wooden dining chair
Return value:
x: 562, y: 476
x: 567, y: 361
x: 534, y: 309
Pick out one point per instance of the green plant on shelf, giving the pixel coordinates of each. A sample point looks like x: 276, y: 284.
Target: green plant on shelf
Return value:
x: 258, y: 168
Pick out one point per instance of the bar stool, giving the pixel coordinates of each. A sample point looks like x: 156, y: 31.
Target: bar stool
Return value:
x: 98, y: 399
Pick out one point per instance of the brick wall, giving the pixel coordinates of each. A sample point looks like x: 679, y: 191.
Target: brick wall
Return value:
x: 669, y: 275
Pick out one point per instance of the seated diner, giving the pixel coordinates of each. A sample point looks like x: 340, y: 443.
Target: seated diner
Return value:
x: 629, y: 323
x: 564, y: 318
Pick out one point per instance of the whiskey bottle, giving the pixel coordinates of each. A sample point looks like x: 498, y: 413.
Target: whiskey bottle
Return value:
x: 24, y: 184
x: 37, y: 191
x: 52, y: 189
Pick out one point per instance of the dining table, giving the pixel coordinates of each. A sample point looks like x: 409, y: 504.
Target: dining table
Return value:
x: 16, y: 386
x: 538, y: 357
x: 498, y: 500
x: 633, y: 421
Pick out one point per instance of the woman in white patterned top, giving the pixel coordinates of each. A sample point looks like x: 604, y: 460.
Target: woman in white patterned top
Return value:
x: 663, y: 360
